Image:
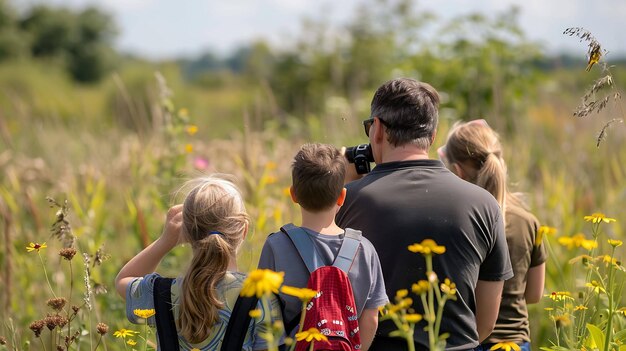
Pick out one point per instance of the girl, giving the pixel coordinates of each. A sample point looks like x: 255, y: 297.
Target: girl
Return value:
x: 473, y: 152
x: 214, y: 222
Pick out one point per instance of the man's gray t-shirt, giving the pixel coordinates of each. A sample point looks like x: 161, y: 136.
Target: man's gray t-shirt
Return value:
x: 280, y: 255
x: 402, y: 203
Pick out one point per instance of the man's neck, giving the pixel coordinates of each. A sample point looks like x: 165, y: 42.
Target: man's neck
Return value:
x: 404, y: 153
x: 321, y: 222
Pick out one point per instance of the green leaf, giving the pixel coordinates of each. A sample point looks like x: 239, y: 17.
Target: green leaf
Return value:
x: 620, y: 336
x: 597, y: 335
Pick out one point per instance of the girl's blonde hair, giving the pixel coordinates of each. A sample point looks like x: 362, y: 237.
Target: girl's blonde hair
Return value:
x: 476, y: 149
x: 214, y: 224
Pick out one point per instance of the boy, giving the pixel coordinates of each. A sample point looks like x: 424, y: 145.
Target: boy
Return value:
x: 318, y: 172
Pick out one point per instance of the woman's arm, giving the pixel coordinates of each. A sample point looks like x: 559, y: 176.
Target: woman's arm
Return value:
x: 148, y: 259
x: 534, y: 283
x: 488, y: 296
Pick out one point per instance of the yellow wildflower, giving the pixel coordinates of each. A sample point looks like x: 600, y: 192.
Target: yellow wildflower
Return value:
x: 131, y: 342
x: 405, y: 303
x: 542, y: 231
x: 560, y: 295
x: 599, y: 217
x: 256, y: 313
x: 183, y: 112
x: 427, y: 247
x: 188, y: 148
x: 402, y: 293
x: 421, y: 287
x: 270, y: 165
x: 311, y: 334
x: 580, y: 308
x: 448, y: 287
x: 123, y: 333
x: 561, y: 320
x: 615, y: 243
x: 145, y: 314
x: 506, y: 346
x: 35, y: 247
x: 303, y: 294
x: 577, y: 240
x: 262, y: 282
x: 191, y: 129
x: 413, y: 317
x: 595, y: 287
x: 549, y: 309
x: 287, y: 191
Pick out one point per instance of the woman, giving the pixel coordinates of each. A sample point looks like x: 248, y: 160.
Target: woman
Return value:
x: 473, y: 152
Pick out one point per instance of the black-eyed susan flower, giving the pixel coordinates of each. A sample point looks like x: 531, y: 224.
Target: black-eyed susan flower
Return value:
x: 262, y: 282
x: 312, y: 334
x: 506, y: 346
x: 560, y: 295
x: 35, y: 247
x: 145, y: 314
x: 599, y: 217
x: 131, y: 342
x: 427, y: 247
x: 123, y: 333
x: 304, y: 294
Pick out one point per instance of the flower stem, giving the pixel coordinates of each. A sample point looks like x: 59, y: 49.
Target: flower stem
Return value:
x: 45, y: 273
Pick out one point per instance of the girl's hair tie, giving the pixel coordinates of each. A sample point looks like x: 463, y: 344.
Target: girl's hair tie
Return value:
x: 216, y: 232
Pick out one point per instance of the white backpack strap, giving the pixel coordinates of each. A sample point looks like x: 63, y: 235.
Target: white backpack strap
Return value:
x: 348, y: 250
x: 304, y: 245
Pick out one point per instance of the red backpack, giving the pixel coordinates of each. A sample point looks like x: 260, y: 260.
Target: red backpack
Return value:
x: 332, y: 311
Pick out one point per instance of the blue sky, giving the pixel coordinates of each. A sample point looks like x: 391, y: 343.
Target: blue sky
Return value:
x: 161, y: 29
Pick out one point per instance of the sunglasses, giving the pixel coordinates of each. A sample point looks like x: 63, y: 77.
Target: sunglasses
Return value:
x: 367, y: 124
x: 441, y: 151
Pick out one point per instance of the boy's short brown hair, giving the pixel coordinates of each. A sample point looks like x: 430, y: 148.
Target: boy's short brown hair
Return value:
x: 317, y: 174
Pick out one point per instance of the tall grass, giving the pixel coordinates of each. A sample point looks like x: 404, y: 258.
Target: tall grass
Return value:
x: 63, y: 141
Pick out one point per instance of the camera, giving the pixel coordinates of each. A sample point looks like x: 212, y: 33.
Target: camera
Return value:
x: 361, y: 156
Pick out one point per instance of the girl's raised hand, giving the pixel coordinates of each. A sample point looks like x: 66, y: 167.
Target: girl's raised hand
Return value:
x: 172, y: 232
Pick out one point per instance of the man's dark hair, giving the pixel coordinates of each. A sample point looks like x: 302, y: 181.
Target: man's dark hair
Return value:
x: 318, y: 172
x: 409, y: 110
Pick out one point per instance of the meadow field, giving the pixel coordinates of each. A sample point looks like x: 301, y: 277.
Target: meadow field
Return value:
x: 101, y: 162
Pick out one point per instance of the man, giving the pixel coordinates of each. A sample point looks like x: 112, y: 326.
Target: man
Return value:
x: 408, y: 198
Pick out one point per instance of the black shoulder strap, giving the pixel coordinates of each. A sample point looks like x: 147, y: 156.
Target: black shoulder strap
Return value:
x: 166, y: 327
x: 238, y: 323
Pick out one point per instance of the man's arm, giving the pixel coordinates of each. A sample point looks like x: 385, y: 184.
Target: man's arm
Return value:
x: 368, y: 323
x: 488, y: 295
x: 534, y: 283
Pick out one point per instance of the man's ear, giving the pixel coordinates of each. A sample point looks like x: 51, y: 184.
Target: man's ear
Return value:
x: 432, y: 139
x: 379, y: 132
x: 342, y: 197
x: 292, y: 193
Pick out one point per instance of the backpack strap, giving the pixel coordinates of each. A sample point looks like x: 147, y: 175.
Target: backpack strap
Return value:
x: 303, y: 244
x: 238, y: 324
x: 349, y: 248
x: 164, y: 317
